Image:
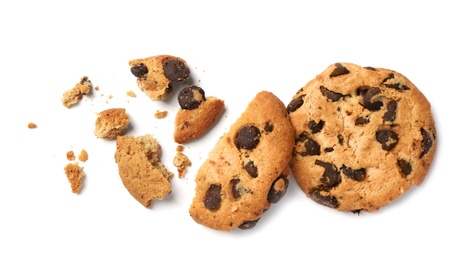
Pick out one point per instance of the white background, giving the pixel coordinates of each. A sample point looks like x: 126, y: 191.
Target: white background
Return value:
x: 234, y: 50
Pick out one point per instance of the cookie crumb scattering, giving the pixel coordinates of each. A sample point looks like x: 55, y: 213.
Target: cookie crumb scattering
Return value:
x: 83, y: 156
x: 131, y: 93
x: 70, y: 155
x: 75, y: 94
x: 32, y: 125
x: 75, y: 176
x: 111, y: 122
x: 159, y: 114
x: 181, y: 161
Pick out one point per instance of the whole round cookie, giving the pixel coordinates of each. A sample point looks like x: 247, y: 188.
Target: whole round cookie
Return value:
x: 364, y: 136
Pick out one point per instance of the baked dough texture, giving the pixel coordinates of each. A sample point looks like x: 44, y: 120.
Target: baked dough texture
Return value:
x: 140, y: 168
x: 247, y: 170
x: 111, y: 122
x: 364, y: 136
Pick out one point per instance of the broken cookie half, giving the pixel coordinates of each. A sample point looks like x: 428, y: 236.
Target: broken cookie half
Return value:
x: 140, y: 168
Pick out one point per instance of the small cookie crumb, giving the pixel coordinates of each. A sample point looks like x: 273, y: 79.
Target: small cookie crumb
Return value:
x: 32, y: 125
x: 160, y: 114
x: 131, y: 93
x: 75, y: 176
x: 180, y: 148
x: 83, y: 156
x: 111, y: 122
x: 75, y: 94
x: 70, y: 155
x: 181, y: 161
x: 97, y: 88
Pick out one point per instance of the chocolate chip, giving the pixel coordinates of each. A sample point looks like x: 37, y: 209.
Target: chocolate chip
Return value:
x: 212, y: 199
x: 326, y: 200
x: 310, y: 147
x: 340, y: 138
x: 339, y: 70
x: 191, y: 97
x: 315, y: 127
x: 362, y: 120
x: 357, y: 175
x: 278, y: 189
x: 139, y: 70
x: 368, y: 99
x: 390, y: 114
x: 235, y: 191
x: 405, y: 166
x: 249, y: 224
x: 387, y: 138
x: 370, y: 68
x: 295, y: 104
x: 329, y: 94
x: 268, y: 127
x: 176, y: 70
x: 328, y: 149
x: 248, y: 137
x: 427, y: 142
x: 251, y: 169
x: 331, y: 176
x: 361, y: 91
x: 395, y: 85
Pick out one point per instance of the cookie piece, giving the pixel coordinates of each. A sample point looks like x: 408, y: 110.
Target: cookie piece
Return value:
x: 364, y: 136
x: 75, y: 176
x: 247, y: 170
x: 141, y: 170
x: 111, y: 123
x: 75, y: 94
x: 155, y: 74
x: 196, y: 115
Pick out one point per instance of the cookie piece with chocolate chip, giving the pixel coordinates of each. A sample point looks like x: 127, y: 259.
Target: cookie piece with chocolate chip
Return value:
x: 156, y: 74
x: 197, y: 114
x: 247, y: 170
x: 364, y: 136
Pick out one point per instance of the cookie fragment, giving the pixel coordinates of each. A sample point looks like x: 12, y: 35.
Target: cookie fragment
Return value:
x: 111, y: 123
x: 75, y: 94
x: 75, y: 176
x: 140, y: 168
x: 364, y: 136
x: 155, y: 75
x: 247, y: 170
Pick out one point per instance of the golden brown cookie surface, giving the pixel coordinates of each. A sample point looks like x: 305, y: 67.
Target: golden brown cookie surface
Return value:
x: 247, y: 170
x: 364, y: 136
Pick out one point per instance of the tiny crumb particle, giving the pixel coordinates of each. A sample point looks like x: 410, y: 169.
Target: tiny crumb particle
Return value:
x: 110, y: 96
x: 83, y: 156
x: 131, y: 93
x: 32, y: 125
x: 97, y: 88
x: 70, y: 155
x: 181, y: 161
x: 75, y: 176
x: 180, y: 148
x: 160, y: 114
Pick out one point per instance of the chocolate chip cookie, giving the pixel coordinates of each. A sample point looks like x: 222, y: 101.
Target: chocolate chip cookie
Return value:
x: 364, y: 136
x: 197, y: 114
x: 247, y: 170
x: 156, y: 74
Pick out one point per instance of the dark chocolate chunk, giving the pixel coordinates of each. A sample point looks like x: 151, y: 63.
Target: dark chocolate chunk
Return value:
x: 191, y: 97
x: 395, y: 85
x: 339, y: 70
x: 427, y: 142
x: 357, y: 175
x: 268, y: 127
x: 139, y: 70
x: 251, y: 169
x: 295, y: 104
x: 248, y: 137
x: 368, y: 101
x: 315, y: 127
x: 328, y: 149
x: 390, y: 114
x: 387, y: 138
x: 362, y: 120
x: 310, y: 146
x: 326, y: 200
x: 212, y: 199
x: 278, y: 189
x: 340, y: 138
x: 248, y: 224
x: 235, y: 190
x: 405, y: 166
x: 329, y: 94
x: 176, y: 70
x: 331, y: 176
x: 370, y: 68
x: 361, y: 91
